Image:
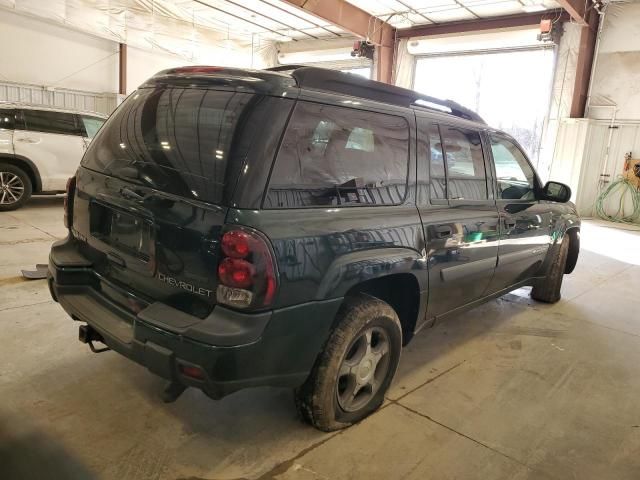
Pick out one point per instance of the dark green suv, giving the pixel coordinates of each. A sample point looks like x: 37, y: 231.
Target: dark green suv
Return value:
x: 235, y: 228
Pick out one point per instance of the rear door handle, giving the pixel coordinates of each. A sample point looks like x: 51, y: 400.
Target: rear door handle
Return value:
x: 26, y: 140
x: 443, y: 231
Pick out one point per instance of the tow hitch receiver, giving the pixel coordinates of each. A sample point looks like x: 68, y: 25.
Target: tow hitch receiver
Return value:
x: 88, y: 335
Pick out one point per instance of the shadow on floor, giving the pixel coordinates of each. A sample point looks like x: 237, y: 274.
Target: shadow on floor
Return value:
x: 108, y: 412
x: 27, y: 454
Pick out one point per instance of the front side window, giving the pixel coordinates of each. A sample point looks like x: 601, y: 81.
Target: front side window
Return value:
x: 332, y: 156
x: 91, y: 125
x: 466, y: 176
x: 515, y: 177
x: 50, y: 122
x: 7, y: 119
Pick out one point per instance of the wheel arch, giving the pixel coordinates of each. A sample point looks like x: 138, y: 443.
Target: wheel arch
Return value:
x: 401, y: 291
x: 395, y: 275
x: 28, y: 166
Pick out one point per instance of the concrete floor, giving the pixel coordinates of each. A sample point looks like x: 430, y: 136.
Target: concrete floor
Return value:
x: 511, y: 390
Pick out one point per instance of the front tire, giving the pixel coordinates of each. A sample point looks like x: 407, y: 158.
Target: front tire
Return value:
x: 356, y: 367
x: 15, y: 187
x: 548, y: 289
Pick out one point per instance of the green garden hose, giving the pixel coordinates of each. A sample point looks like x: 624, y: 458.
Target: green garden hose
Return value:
x: 620, y: 186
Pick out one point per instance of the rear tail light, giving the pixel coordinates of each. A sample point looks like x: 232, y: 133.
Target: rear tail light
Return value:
x: 236, y: 273
x: 192, y: 371
x: 246, y: 271
x: 68, y: 202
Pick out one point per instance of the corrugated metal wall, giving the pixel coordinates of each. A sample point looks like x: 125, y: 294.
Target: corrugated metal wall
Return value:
x: 581, y: 152
x: 568, y: 154
x: 72, y: 99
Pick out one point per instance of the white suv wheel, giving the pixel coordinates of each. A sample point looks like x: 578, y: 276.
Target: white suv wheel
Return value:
x: 15, y: 187
x: 11, y: 188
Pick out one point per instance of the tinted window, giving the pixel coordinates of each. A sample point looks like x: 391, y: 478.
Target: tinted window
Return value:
x: 438, y: 179
x: 178, y: 140
x: 91, y: 125
x: 50, y: 122
x: 7, y: 119
x: 515, y: 177
x: 466, y: 177
x: 340, y: 156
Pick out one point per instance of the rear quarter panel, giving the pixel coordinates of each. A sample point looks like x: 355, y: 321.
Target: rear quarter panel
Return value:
x: 322, y: 253
x: 6, y: 141
x: 56, y: 156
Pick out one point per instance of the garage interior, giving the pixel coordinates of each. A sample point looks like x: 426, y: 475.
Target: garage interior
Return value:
x: 514, y: 389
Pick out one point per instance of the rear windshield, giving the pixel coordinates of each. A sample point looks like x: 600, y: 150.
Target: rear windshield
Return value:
x: 177, y: 140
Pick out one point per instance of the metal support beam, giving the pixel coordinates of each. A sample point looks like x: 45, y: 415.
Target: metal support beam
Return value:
x: 493, y: 23
x: 361, y: 24
x: 586, y: 50
x: 385, y: 60
x: 350, y: 18
x: 122, y: 69
x: 575, y: 8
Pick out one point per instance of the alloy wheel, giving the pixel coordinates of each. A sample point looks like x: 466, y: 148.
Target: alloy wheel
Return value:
x: 11, y: 188
x: 363, y: 369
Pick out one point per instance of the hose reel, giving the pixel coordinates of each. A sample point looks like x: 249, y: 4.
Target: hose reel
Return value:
x: 624, y: 187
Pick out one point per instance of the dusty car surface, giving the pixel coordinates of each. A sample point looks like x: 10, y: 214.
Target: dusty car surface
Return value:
x: 236, y: 228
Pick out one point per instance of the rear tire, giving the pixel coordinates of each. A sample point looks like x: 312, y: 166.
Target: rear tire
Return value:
x: 15, y: 187
x: 356, y: 367
x: 548, y: 289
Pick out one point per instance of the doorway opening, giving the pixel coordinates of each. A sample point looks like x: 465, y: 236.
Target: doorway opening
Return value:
x: 509, y: 89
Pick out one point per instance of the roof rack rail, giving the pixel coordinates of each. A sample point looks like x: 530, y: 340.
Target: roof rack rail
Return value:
x: 284, y: 68
x: 339, y: 82
x: 447, y: 106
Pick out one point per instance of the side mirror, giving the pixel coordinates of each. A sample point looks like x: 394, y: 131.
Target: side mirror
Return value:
x: 556, y: 192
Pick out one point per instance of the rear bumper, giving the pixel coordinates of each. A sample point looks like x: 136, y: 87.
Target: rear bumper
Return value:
x: 235, y: 350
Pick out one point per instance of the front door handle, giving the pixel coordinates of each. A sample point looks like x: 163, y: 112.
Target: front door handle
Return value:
x: 26, y: 140
x: 443, y: 231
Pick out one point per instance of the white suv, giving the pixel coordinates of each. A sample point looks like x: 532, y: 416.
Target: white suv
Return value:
x: 40, y: 148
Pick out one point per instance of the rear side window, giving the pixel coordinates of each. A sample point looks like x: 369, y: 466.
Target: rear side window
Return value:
x: 466, y: 176
x: 50, y: 122
x: 178, y: 140
x: 7, y: 119
x: 91, y: 125
x: 332, y: 156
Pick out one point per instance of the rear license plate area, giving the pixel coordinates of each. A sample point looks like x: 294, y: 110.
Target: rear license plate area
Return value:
x: 125, y: 232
